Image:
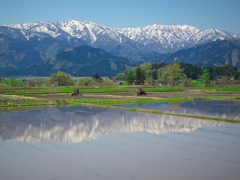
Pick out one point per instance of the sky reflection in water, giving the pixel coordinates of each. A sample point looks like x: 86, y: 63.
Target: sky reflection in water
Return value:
x: 94, y: 143
x: 209, y: 108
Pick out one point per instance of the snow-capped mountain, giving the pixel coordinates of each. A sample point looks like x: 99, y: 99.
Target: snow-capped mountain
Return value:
x: 22, y: 45
x: 158, y: 38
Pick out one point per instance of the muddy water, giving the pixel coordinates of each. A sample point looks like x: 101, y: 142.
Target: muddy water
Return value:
x: 208, y: 108
x: 91, y: 143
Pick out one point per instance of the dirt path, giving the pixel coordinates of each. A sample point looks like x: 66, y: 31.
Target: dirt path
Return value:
x: 16, y: 96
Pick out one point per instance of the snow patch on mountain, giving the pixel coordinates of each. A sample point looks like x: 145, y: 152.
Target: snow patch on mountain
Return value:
x: 156, y: 37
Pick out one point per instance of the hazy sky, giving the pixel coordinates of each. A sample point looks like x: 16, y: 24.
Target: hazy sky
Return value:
x: 203, y: 14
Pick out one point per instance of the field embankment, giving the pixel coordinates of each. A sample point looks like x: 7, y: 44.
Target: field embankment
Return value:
x: 15, y: 99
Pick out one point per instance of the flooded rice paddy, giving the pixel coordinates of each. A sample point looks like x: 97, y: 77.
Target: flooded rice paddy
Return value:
x: 94, y: 143
x: 228, y: 109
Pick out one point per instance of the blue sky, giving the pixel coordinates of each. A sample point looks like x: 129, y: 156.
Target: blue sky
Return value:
x: 203, y: 14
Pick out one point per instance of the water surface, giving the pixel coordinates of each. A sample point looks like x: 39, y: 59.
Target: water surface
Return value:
x: 94, y: 143
x: 208, y: 108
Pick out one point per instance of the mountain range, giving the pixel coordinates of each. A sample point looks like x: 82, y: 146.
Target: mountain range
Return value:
x: 23, y: 45
x: 214, y: 54
x: 78, y: 61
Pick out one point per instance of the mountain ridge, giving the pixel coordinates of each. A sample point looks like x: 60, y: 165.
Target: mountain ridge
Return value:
x: 218, y: 53
x: 156, y: 37
x: 86, y: 60
x: 78, y: 61
x: 23, y: 45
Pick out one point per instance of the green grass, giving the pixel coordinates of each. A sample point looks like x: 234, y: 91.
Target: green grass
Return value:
x: 232, y: 89
x: 162, y: 89
x: 124, y: 83
x: 11, y: 102
x: 133, y: 109
x: 64, y: 89
x: 111, y: 102
x: 156, y: 112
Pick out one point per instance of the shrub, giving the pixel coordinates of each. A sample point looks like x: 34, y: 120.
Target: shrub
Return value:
x: 13, y: 82
x: 61, y: 79
x: 196, y: 83
x: 124, y: 83
x: 86, y: 82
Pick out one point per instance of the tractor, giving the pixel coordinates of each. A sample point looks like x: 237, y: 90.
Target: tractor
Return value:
x: 75, y: 92
x: 141, y: 92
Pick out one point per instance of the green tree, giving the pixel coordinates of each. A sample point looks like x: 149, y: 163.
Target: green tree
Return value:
x: 121, y: 76
x: 236, y: 75
x: 140, y: 75
x: 174, y: 72
x: 162, y: 75
x: 205, y: 78
x: 131, y: 76
x: 13, y: 82
x: 187, y: 82
x: 97, y: 78
x: 61, y: 79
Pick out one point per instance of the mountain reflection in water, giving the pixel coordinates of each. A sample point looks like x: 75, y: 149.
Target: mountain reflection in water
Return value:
x: 76, y: 124
x: 208, y: 108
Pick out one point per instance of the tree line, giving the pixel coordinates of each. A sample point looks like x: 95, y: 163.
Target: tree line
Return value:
x: 150, y: 73
x: 57, y: 79
x: 174, y: 73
